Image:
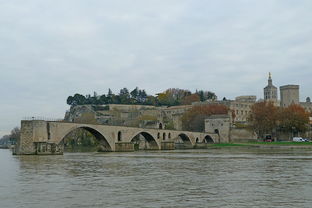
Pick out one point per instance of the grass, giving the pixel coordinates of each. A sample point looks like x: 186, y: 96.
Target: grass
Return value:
x: 255, y: 144
x: 281, y: 143
x: 229, y: 144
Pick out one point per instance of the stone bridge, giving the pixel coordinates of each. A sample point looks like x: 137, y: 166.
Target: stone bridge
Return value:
x: 47, y: 137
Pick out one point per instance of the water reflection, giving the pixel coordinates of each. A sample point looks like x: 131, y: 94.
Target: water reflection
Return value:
x: 230, y: 177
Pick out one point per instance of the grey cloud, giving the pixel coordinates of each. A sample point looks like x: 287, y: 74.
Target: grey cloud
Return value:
x: 52, y: 49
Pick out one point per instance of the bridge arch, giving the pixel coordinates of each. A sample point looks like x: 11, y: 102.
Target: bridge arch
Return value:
x: 144, y: 141
x: 183, y: 138
x: 208, y: 139
x: 104, y: 145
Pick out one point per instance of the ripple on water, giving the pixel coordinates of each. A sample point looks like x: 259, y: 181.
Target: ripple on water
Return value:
x: 231, y: 177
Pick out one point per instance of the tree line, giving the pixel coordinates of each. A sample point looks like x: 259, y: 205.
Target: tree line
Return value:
x: 265, y: 118
x: 11, y: 138
x: 170, y: 97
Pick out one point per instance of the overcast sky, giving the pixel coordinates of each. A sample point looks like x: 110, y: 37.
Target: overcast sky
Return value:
x: 55, y: 48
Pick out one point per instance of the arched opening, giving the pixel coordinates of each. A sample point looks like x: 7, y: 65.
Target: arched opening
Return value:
x: 119, y: 136
x: 182, y: 138
x: 208, y: 139
x: 144, y: 141
x: 85, y: 139
x: 169, y: 136
x: 197, y: 140
x: 160, y: 126
x: 158, y: 135
x: 182, y: 142
x: 164, y: 136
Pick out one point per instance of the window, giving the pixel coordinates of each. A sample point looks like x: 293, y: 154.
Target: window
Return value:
x: 119, y: 136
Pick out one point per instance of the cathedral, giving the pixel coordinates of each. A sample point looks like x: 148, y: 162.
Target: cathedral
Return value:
x: 289, y: 94
x: 270, y: 91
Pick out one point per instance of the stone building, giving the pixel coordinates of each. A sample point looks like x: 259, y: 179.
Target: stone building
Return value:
x: 241, y: 107
x: 173, y: 115
x: 270, y: 91
x: 289, y: 95
x: 170, y: 117
x: 143, y: 116
x: 219, y: 124
x: 307, y: 105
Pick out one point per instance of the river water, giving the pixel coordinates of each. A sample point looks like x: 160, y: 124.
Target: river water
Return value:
x: 227, y: 177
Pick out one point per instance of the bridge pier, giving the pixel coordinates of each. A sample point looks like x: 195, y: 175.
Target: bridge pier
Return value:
x: 46, y: 148
x: 26, y: 143
x: 183, y: 146
x: 168, y: 145
x: 124, y: 147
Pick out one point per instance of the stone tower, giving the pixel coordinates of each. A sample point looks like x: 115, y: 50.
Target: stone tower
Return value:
x: 289, y: 95
x: 270, y: 91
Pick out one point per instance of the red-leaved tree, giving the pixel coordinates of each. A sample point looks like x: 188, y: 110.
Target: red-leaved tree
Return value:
x: 194, y: 119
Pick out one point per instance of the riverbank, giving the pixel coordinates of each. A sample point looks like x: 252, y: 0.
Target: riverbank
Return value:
x: 4, y: 147
x: 267, y: 145
x: 271, y: 145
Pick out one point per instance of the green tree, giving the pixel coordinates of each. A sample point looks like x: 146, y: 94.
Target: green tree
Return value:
x: 109, y: 94
x: 124, y: 96
x: 134, y: 93
x: 70, y: 100
x: 80, y: 99
x: 15, y: 135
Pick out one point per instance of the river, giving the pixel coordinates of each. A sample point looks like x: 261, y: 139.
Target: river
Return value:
x: 228, y: 178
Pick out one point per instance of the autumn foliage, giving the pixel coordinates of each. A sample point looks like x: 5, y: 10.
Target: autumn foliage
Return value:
x: 294, y: 118
x: 263, y: 117
x: 188, y: 100
x: 266, y: 118
x: 193, y: 120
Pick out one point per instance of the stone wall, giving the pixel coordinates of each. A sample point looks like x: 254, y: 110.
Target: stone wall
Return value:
x: 289, y: 95
x: 242, y: 135
x: 124, y: 147
x: 25, y: 144
x: 29, y: 131
x: 169, y: 145
x: 241, y: 106
x: 219, y: 124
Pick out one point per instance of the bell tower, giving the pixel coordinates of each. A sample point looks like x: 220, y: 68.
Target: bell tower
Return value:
x: 270, y: 91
